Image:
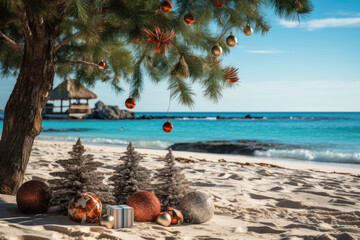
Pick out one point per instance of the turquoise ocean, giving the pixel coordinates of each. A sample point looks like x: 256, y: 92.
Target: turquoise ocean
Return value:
x: 327, y: 136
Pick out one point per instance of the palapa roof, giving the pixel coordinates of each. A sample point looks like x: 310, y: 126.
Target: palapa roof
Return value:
x: 68, y: 89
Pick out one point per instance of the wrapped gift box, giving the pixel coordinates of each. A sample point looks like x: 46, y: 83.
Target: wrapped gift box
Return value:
x: 123, y: 215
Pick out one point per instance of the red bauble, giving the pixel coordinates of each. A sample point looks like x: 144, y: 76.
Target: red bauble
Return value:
x: 219, y: 3
x: 33, y: 197
x: 189, y: 18
x: 130, y: 103
x: 168, y: 127
x: 102, y: 63
x: 166, y: 6
x: 85, y: 208
x: 146, y: 206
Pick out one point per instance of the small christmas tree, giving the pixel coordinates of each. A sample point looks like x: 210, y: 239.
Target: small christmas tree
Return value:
x: 172, y: 184
x: 80, y: 175
x: 130, y: 177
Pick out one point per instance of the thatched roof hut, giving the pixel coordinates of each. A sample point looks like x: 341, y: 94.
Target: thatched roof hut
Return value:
x: 69, y: 89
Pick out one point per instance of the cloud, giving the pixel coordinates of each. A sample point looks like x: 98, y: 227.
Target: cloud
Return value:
x: 323, y: 23
x: 263, y: 51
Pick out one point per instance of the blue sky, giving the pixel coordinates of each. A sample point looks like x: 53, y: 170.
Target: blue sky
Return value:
x: 311, y: 66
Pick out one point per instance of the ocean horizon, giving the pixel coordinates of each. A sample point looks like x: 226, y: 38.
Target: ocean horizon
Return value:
x: 325, y: 136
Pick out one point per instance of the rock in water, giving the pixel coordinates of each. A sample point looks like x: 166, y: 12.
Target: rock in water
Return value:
x: 102, y: 111
x: 197, y: 207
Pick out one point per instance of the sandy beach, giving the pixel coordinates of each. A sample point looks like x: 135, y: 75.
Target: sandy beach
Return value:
x: 253, y: 199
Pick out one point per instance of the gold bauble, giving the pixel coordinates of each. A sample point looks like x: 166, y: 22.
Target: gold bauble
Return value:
x: 248, y: 30
x: 216, y: 51
x: 231, y: 40
x: 164, y: 219
x: 107, y: 221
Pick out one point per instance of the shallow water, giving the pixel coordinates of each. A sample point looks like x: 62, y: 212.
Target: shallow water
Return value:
x: 330, y: 137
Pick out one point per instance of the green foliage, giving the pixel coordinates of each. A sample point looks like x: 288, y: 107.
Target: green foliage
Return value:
x: 92, y: 31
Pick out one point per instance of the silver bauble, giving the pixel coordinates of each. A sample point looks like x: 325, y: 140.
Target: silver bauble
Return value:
x: 164, y: 219
x: 216, y: 51
x: 248, y: 30
x: 231, y: 40
x: 196, y: 207
x: 107, y: 221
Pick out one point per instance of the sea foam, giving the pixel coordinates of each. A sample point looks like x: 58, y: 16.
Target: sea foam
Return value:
x: 311, y: 155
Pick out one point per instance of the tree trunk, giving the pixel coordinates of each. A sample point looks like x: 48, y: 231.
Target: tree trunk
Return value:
x: 22, y: 119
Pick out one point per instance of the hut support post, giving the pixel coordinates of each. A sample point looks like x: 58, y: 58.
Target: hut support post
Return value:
x: 61, y: 106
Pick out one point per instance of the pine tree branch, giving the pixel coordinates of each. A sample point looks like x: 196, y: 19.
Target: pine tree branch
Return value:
x: 65, y: 41
x: 24, y: 23
x: 80, y: 62
x: 11, y: 43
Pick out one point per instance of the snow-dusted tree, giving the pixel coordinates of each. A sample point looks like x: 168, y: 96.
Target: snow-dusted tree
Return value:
x: 130, y: 177
x: 80, y: 175
x: 172, y: 184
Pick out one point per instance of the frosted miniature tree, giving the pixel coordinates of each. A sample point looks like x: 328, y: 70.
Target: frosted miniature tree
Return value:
x: 80, y: 175
x: 172, y: 184
x: 130, y: 177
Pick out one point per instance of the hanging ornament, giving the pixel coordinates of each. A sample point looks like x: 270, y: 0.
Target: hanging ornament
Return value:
x: 162, y: 39
x: 181, y: 69
x: 217, y: 51
x: 218, y: 3
x: 166, y: 6
x: 168, y: 127
x: 130, y: 103
x: 102, y: 64
x: 189, y: 18
x: 248, y: 30
x: 231, y: 74
x: 231, y: 40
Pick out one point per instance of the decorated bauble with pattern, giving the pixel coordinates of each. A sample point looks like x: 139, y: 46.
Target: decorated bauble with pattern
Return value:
x: 231, y: 40
x: 189, y: 18
x: 248, y: 30
x: 102, y: 64
x: 33, y: 197
x: 217, y: 51
x: 176, y: 216
x: 219, y: 3
x: 85, y: 208
x: 146, y: 206
x: 166, y: 6
x: 130, y: 103
x: 168, y: 127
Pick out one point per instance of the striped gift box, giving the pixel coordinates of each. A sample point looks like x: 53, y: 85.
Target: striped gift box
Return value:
x: 123, y: 215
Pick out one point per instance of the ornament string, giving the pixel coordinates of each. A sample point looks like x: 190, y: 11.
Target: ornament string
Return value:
x: 168, y: 110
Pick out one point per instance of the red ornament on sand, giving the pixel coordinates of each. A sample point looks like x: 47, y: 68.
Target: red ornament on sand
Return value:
x: 168, y: 127
x: 218, y: 3
x: 102, y: 63
x: 130, y: 103
x: 146, y: 206
x: 189, y: 18
x: 85, y: 208
x: 166, y: 6
x: 33, y: 197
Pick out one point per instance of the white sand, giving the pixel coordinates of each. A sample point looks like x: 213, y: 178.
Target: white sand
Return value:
x: 290, y: 204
